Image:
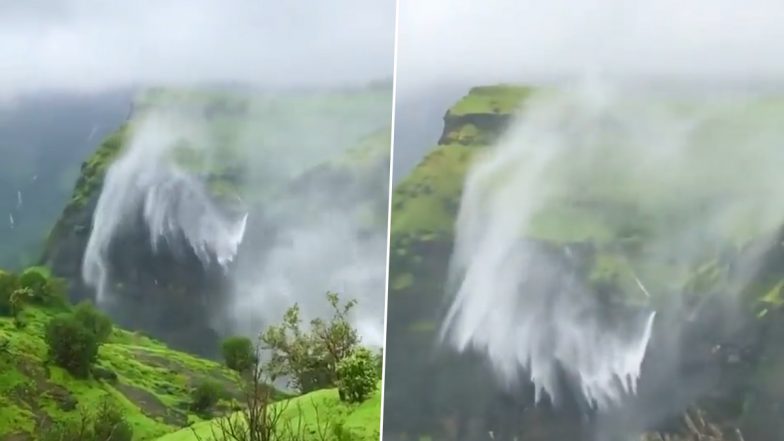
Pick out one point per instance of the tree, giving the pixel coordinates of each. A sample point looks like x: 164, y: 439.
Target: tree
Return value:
x: 357, y: 376
x: 310, y: 358
x: 94, y: 320
x: 71, y: 345
x: 238, y: 353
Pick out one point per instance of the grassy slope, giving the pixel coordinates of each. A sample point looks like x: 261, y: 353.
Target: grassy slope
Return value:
x: 153, y: 381
x: 426, y: 200
x: 361, y: 419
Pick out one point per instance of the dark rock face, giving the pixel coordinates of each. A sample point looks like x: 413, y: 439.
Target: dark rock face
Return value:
x: 66, y: 245
x: 166, y: 294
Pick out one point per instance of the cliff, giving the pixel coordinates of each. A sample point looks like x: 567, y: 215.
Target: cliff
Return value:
x: 429, y: 389
x: 266, y: 148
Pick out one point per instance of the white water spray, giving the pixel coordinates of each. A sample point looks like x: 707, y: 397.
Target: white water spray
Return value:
x: 144, y: 183
x: 573, y: 168
x: 313, y: 255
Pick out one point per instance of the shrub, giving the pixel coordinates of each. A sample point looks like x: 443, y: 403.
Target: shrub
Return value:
x: 71, y: 345
x: 238, y: 353
x: 93, y: 320
x: 357, y: 376
x: 109, y: 423
x: 205, y: 395
x: 33, y: 279
x: 44, y: 289
x: 55, y: 292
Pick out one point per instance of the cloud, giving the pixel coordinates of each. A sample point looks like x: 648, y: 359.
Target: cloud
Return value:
x: 511, y: 40
x: 87, y: 45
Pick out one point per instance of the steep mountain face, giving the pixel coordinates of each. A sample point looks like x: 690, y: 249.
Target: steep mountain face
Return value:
x: 728, y: 371
x: 275, y: 157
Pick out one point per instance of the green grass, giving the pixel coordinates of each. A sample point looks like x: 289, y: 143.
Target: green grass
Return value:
x: 496, y: 99
x: 153, y: 382
x: 312, y: 410
x: 427, y: 199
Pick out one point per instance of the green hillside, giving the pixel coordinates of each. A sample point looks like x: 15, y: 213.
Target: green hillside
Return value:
x: 316, y: 410
x: 152, y: 383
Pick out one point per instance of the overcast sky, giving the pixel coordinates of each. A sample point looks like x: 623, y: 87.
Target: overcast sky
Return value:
x: 490, y: 40
x: 93, y: 44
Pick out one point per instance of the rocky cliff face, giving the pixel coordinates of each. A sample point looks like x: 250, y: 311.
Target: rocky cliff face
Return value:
x: 169, y: 292
x: 431, y: 391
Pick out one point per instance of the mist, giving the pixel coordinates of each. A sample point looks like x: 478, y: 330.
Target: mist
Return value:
x: 264, y: 198
x: 684, y: 178
x: 175, y: 205
x: 471, y: 42
x: 84, y: 46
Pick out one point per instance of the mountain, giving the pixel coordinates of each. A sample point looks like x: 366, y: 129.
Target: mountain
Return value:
x: 433, y: 391
x: 283, y: 160
x: 283, y: 157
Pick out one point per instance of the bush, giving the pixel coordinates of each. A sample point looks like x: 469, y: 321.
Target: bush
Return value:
x: 205, y: 395
x: 93, y: 320
x: 71, y: 346
x: 109, y: 423
x: 55, y: 292
x: 239, y: 353
x: 43, y: 289
x: 33, y: 279
x: 357, y: 376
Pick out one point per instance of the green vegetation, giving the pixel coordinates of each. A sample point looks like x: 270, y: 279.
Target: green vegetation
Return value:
x: 98, y: 323
x: 310, y: 357
x: 71, y: 345
x: 427, y: 200
x: 312, y: 410
x: 496, y: 99
x: 94, y: 169
x: 69, y: 374
x: 205, y: 395
x: 54, y: 370
x: 238, y: 353
x: 357, y: 376
x: 107, y: 423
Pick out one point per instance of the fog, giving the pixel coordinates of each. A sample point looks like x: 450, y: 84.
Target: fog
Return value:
x: 91, y: 46
x: 505, y: 40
